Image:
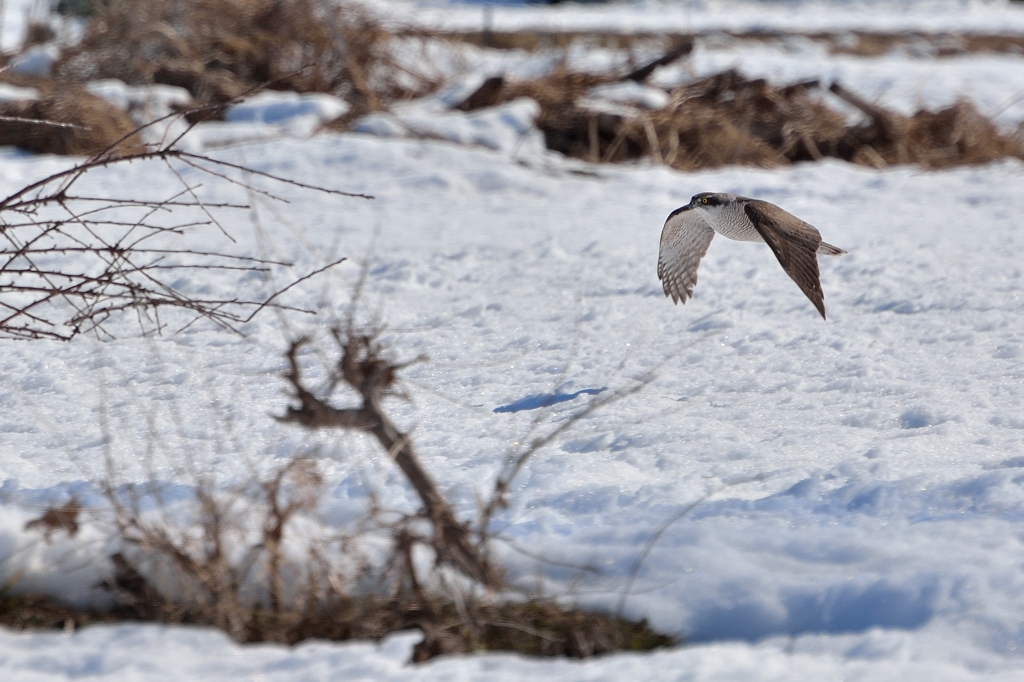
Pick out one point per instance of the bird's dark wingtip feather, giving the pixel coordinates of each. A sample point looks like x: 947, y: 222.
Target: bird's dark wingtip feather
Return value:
x: 679, y: 210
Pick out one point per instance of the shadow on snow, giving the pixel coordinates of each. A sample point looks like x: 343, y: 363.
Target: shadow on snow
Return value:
x: 532, y: 402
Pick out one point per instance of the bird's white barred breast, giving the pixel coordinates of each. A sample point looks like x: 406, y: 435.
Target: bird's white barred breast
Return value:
x: 731, y: 221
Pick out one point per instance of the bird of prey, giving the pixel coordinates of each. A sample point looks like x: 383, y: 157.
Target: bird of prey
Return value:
x: 689, y: 229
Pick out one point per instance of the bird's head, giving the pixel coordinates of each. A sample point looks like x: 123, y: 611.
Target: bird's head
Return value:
x: 711, y: 200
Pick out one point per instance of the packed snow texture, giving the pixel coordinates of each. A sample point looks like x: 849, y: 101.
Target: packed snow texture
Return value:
x: 36, y: 61
x: 838, y: 499
x: 862, y: 474
x: 508, y: 127
x: 701, y: 16
x: 297, y: 114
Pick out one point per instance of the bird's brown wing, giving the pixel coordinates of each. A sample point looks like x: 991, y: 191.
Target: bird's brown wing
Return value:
x: 794, y: 243
x: 684, y: 241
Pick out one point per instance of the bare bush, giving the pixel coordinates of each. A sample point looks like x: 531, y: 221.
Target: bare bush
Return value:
x: 70, y: 261
x: 454, y: 615
x: 232, y: 557
x: 364, y: 368
x: 252, y: 561
x: 955, y: 135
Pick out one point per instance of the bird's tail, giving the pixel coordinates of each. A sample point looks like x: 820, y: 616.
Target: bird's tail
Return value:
x: 830, y: 250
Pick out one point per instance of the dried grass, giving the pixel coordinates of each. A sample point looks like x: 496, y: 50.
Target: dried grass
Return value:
x: 65, y: 119
x: 859, y: 43
x: 231, y: 562
x: 38, y: 612
x: 957, y: 135
x: 536, y: 627
x: 218, y: 49
x: 729, y: 119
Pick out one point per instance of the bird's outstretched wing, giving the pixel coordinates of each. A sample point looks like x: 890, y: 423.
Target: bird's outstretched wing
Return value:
x: 684, y: 241
x: 794, y: 242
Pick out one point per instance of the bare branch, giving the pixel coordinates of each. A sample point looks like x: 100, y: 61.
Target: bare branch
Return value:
x: 70, y: 261
x: 40, y: 122
x: 364, y: 368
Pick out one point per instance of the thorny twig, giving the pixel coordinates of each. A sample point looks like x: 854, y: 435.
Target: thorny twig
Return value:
x: 68, y: 262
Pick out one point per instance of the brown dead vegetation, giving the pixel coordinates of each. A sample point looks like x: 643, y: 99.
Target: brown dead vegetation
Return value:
x: 730, y: 119
x: 858, y: 43
x: 464, y: 613
x: 222, y: 49
x: 218, y: 49
x: 535, y: 627
x: 365, y: 368
x: 64, y: 119
x: 71, y: 262
x: 39, y: 612
x: 237, y: 559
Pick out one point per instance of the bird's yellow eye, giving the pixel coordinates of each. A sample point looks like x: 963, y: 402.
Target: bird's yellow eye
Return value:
x: 704, y: 200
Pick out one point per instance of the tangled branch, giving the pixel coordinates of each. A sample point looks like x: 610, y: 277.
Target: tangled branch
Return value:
x: 70, y: 261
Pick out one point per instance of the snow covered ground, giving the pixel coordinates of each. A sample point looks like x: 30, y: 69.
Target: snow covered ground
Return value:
x: 639, y: 16
x: 860, y: 480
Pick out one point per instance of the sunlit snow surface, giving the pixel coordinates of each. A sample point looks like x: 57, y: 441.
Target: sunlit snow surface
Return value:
x: 860, y: 480
x: 929, y: 16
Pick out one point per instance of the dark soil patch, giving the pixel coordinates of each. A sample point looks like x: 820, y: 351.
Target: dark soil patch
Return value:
x: 533, y: 628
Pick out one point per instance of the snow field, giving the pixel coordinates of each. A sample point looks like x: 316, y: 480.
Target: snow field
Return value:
x: 838, y: 499
x: 862, y: 471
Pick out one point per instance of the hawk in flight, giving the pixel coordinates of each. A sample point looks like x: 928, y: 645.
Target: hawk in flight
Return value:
x: 689, y: 229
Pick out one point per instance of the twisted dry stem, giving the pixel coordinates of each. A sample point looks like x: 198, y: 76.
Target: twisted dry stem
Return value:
x: 365, y: 370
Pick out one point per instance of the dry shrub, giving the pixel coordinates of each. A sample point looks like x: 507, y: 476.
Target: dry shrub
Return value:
x: 65, y: 119
x: 567, y: 128
x: 35, y: 612
x: 956, y: 135
x: 255, y: 561
x: 536, y: 627
x: 223, y: 559
x: 711, y: 122
x: 453, y: 602
x: 727, y: 119
x: 74, y: 259
x: 218, y: 49
x: 246, y: 561
x: 730, y: 119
